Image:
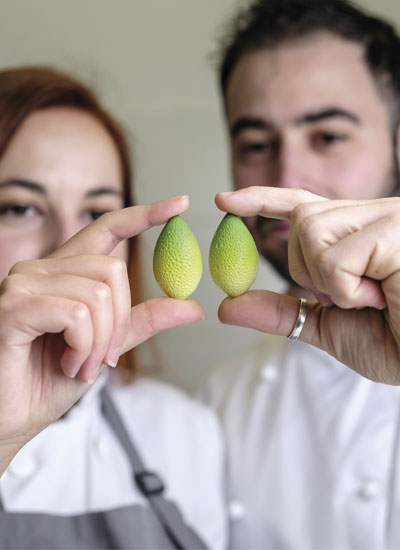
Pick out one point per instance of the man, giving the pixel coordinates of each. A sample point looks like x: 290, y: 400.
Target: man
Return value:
x: 311, y: 94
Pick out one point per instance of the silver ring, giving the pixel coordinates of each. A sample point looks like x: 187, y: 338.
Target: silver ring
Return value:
x: 301, y: 319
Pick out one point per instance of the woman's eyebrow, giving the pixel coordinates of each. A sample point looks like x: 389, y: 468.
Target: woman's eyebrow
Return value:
x: 41, y: 189
x: 98, y: 191
x: 25, y: 184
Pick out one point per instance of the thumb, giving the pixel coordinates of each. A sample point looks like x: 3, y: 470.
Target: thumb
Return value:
x: 158, y: 314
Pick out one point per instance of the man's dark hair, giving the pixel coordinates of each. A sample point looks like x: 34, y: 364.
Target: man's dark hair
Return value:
x: 268, y: 23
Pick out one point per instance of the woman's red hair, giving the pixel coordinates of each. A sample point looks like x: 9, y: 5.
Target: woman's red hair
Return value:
x: 27, y: 89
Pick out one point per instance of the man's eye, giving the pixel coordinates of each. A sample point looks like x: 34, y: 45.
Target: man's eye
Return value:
x: 327, y: 139
x: 17, y: 210
x: 256, y: 148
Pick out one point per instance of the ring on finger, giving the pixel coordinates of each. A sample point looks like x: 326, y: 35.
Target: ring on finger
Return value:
x: 300, y: 320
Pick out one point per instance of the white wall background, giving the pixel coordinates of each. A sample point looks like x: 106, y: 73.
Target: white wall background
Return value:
x: 151, y: 62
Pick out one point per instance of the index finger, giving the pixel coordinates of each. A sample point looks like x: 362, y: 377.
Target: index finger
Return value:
x: 103, y: 235
x: 271, y: 202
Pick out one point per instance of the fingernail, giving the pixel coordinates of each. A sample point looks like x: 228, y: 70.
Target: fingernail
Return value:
x: 112, y: 359
x: 226, y: 193
x: 95, y: 373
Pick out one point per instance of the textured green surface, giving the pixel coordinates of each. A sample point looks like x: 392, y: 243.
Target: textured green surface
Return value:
x: 177, y: 262
x: 233, y: 257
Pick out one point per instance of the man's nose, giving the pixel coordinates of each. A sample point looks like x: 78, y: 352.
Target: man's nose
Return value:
x: 293, y: 166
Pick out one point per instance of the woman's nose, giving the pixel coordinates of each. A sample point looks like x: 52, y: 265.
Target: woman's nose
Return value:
x: 59, y: 231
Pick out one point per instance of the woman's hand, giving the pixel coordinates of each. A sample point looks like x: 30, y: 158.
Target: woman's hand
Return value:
x: 347, y: 253
x: 64, y: 316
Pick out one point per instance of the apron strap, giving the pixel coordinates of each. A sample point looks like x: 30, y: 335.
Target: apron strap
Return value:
x: 151, y: 485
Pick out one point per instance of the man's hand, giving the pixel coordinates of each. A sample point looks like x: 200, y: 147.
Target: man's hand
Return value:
x: 347, y: 253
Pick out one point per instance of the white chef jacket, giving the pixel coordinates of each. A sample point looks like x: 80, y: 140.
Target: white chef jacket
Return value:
x: 77, y: 465
x: 313, y: 450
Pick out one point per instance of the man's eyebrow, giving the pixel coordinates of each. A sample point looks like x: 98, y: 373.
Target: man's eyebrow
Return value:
x: 323, y: 114
x: 256, y: 123
x: 26, y: 184
x: 249, y: 123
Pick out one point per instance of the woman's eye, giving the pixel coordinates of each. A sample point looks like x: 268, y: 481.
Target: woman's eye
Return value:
x: 90, y: 214
x: 94, y: 214
x: 18, y: 210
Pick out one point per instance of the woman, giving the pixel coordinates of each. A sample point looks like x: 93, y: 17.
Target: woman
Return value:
x: 73, y: 477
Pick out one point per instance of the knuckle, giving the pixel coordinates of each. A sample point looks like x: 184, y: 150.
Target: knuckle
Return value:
x: 21, y: 267
x: 101, y: 292
x: 334, y: 286
x: 79, y: 312
x: 308, y: 228
x: 12, y: 284
x: 117, y: 266
x: 299, y: 213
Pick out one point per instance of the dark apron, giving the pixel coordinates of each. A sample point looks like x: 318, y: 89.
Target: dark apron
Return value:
x: 159, y: 526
